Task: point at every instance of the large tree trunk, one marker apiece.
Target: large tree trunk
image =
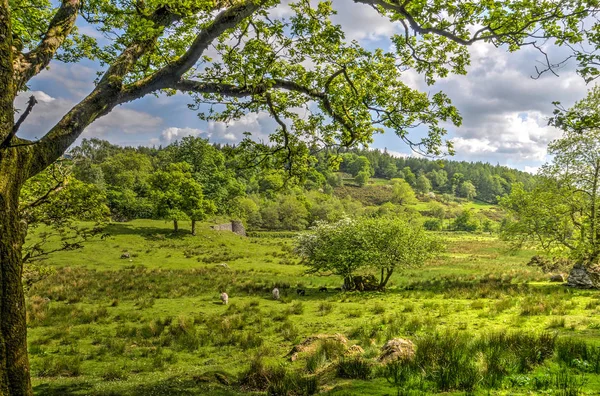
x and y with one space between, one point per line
14 364
175 226
194 227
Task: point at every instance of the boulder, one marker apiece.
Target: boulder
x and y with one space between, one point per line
395 349
310 344
125 255
579 277
354 350
557 278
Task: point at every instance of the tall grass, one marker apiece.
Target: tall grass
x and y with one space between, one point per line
452 360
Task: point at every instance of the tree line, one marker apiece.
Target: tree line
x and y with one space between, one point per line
469 180
192 179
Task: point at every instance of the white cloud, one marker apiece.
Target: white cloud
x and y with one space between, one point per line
259 124
171 134
518 136
50 110
230 136
474 145
531 169
125 120
398 154
42 96
73 80
361 22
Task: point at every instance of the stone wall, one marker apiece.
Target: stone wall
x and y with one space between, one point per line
235 226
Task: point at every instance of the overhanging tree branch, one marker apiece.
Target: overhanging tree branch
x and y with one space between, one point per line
98 103
166 76
400 9
288 85
28 65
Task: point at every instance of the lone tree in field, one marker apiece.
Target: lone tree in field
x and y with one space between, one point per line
177 196
381 245
273 65
561 213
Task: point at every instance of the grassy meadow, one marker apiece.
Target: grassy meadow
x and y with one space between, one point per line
483 322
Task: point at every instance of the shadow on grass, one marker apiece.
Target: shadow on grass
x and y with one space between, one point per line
149 233
174 386
54 389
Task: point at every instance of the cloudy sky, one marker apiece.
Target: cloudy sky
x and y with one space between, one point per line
504 110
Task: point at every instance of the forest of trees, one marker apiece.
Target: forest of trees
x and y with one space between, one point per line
192 179
470 180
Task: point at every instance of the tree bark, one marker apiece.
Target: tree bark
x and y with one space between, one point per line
175 226
389 272
14 363
194 227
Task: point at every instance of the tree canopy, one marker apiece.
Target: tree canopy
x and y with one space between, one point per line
381 245
561 213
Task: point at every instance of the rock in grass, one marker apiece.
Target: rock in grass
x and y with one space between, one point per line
125 255
557 278
395 349
310 344
354 350
580 278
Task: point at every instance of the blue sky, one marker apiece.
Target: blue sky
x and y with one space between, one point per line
504 110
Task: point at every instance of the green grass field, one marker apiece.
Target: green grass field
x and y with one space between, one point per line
153 324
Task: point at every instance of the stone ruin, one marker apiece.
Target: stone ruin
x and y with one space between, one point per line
584 276
234 226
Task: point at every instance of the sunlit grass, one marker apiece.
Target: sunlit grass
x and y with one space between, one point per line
155 325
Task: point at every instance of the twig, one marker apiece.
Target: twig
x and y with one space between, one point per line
32 102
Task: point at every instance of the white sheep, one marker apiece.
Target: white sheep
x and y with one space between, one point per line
224 298
276 294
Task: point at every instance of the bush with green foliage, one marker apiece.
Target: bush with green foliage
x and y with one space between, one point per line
379 245
433 225
465 221
178 196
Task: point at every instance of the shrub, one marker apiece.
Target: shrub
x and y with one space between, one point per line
259 376
400 372
378 309
433 225
114 373
446 358
325 308
64 366
315 361
556 323
294 384
568 384
289 331
297 308
577 353
465 221
250 340
161 359
354 368
327 350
